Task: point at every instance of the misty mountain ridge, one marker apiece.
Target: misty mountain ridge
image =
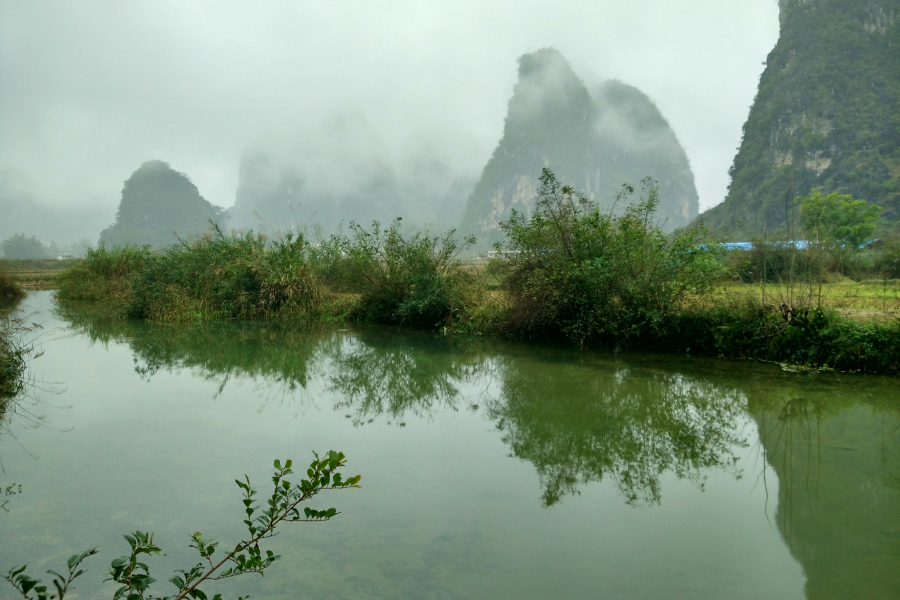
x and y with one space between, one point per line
340 171
594 142
159 206
23 211
826 114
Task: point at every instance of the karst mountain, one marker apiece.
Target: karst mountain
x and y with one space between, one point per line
594 140
826 115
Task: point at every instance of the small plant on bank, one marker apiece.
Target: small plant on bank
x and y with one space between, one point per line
133 576
13 351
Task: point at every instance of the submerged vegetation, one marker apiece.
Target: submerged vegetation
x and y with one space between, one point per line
568 271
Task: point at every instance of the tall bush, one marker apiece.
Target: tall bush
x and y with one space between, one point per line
593 276
221 276
103 274
414 280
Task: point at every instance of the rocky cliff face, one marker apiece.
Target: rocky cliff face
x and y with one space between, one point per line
593 142
160 205
827 114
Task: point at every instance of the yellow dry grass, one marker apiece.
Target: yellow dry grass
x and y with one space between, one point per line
36 274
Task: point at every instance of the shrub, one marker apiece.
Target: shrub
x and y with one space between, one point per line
103 274
219 276
414 280
133 575
597 277
808 337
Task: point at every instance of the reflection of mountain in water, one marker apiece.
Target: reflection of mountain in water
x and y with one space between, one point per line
838 465
591 423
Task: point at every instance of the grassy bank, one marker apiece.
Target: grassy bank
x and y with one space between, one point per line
12 362
36 274
566 272
10 289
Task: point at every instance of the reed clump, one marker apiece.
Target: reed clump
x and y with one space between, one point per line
12 361
10 290
413 280
241 276
103 274
375 274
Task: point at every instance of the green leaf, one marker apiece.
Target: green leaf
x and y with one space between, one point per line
14 571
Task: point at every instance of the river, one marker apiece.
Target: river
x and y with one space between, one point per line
489 469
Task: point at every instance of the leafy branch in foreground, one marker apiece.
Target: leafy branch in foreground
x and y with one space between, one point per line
133 576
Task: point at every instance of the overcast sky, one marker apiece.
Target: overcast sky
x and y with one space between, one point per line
90 90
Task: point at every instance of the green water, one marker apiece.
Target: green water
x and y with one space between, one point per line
490 470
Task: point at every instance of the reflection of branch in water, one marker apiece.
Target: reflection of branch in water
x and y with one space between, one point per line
394 380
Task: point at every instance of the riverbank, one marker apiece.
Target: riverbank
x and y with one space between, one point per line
231 284
568 271
36 274
12 362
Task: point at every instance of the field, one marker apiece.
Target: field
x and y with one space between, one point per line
858 300
37 274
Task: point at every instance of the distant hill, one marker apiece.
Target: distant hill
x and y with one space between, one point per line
160 205
827 114
594 142
337 171
24 208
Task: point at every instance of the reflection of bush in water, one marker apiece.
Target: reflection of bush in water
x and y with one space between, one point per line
399 374
633 428
283 353
575 424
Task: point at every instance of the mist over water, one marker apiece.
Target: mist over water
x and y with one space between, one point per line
93 91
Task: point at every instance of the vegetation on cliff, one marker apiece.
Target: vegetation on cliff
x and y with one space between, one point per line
159 206
826 115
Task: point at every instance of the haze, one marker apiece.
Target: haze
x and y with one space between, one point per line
90 90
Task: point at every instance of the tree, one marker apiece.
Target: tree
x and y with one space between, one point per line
837 220
19 247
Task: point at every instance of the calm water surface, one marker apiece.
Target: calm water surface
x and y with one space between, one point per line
490 470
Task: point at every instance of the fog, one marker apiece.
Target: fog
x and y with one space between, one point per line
90 90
